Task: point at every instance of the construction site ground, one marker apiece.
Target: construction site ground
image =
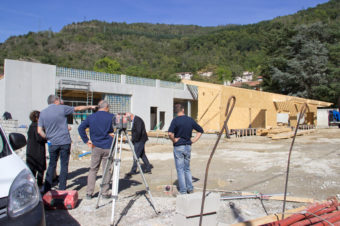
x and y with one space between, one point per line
253 163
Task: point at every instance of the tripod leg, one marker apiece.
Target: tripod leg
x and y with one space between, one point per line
115 180
141 172
107 169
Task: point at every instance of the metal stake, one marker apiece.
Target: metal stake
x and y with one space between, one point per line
224 128
303 111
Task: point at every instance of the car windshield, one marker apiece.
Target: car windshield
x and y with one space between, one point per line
4 148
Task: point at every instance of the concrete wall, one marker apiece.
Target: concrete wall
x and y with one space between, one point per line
323 117
2 96
27 88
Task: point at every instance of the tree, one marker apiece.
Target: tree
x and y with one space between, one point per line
303 65
107 65
224 74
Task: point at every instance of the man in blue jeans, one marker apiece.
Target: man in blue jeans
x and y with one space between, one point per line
180 132
52 125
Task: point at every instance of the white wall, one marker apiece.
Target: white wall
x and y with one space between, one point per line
29 84
27 88
283 117
322 117
2 96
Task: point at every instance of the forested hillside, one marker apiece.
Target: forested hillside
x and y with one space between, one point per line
297 54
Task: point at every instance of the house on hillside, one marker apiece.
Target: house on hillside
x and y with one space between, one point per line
246 77
206 74
185 75
247 80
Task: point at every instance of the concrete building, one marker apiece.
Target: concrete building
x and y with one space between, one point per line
26 86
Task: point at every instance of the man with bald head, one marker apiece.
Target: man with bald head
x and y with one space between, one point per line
101 132
139 138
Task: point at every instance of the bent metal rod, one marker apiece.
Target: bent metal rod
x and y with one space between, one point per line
224 128
302 113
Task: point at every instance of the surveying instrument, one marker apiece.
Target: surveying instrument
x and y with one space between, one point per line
112 167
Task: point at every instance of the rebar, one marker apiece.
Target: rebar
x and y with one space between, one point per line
224 128
302 113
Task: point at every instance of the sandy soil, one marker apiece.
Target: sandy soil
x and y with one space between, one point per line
239 164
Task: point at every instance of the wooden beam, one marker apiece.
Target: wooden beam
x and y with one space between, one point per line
291 134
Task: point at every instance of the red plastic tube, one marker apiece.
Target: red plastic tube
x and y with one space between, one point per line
315 219
333 219
316 209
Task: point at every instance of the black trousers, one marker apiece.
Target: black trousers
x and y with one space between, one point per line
140 152
39 175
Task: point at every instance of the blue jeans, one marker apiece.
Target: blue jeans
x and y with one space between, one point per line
55 151
182 161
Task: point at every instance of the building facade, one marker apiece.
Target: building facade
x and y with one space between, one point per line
26 86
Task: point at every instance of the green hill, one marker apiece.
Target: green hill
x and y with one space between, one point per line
161 50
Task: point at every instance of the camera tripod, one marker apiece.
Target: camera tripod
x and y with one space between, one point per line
114 159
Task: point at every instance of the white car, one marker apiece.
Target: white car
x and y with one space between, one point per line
20 199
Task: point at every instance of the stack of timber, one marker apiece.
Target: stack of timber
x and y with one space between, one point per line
291 134
278 133
273 131
158 134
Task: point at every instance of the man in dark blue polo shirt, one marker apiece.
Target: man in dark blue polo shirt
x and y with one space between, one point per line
101 133
180 132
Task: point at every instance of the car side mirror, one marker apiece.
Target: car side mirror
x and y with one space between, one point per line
17 140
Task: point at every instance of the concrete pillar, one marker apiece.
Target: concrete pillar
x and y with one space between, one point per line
123 79
189 107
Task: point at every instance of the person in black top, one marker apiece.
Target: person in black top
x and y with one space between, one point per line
139 138
35 150
180 132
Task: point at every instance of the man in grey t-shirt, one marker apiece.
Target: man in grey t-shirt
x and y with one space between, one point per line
52 125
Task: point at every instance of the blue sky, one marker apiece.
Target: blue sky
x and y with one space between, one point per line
21 16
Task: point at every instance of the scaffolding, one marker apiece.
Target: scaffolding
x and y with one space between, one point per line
75 93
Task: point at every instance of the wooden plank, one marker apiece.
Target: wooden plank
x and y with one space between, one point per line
291 134
270 218
158 134
292 199
280 198
280 130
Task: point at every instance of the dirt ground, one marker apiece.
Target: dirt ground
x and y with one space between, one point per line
256 164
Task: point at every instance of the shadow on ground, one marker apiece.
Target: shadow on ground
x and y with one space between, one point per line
59 217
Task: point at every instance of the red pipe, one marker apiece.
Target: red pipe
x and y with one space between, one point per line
316 209
330 220
314 219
